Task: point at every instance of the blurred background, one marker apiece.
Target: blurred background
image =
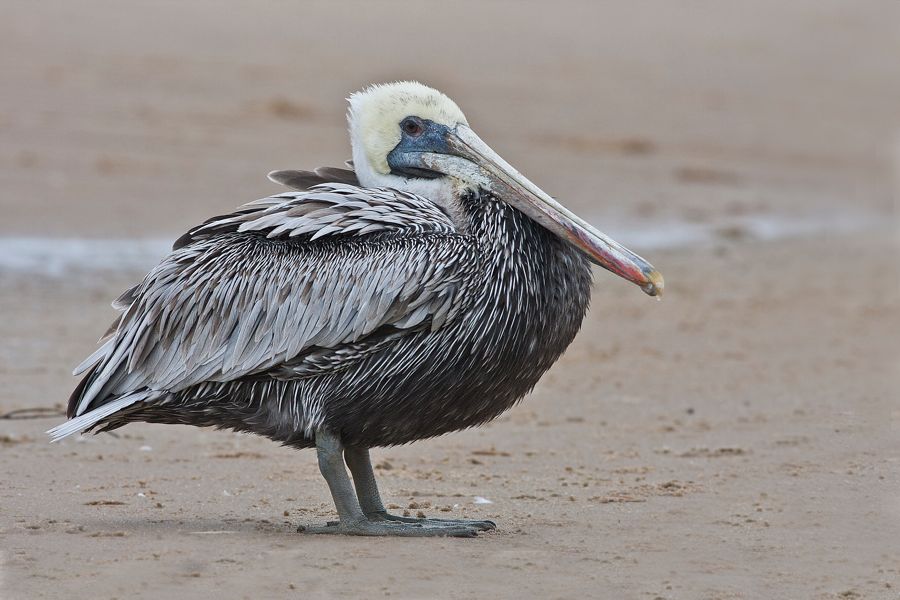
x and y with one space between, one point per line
736 440
141 120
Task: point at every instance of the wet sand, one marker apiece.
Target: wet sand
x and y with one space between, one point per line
736 440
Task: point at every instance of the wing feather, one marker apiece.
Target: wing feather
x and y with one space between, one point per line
303 180
255 289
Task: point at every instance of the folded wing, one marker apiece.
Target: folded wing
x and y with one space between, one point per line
251 291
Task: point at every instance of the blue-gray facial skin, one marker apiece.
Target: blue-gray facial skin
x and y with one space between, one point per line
404 159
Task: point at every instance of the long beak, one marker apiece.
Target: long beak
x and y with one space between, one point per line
515 189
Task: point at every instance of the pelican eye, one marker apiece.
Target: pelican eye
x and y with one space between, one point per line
412 126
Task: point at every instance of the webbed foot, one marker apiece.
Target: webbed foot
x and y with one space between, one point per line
384 528
428 522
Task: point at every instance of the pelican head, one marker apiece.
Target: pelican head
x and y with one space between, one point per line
410 137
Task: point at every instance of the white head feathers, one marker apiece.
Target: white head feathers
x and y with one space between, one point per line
375 114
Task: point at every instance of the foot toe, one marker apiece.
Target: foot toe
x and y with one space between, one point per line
434 523
389 528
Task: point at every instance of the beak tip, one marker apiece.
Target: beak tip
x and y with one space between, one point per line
655 284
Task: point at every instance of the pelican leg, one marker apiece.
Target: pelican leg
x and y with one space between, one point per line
370 500
352 519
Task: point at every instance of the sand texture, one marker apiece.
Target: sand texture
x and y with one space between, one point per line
738 440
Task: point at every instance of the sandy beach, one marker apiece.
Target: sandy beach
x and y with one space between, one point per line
737 440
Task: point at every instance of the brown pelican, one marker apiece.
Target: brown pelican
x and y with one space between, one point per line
425 291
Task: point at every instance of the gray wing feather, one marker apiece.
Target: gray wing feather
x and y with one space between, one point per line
329 210
249 291
304 180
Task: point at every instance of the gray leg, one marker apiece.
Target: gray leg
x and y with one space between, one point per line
352 519
328 451
370 500
364 480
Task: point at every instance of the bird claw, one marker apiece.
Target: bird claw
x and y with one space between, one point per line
428 522
385 528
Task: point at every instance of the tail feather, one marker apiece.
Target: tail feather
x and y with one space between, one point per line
91 418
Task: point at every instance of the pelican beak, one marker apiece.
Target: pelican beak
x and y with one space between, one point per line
515 189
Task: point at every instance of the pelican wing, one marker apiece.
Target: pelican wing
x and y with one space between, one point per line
304 180
283 276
